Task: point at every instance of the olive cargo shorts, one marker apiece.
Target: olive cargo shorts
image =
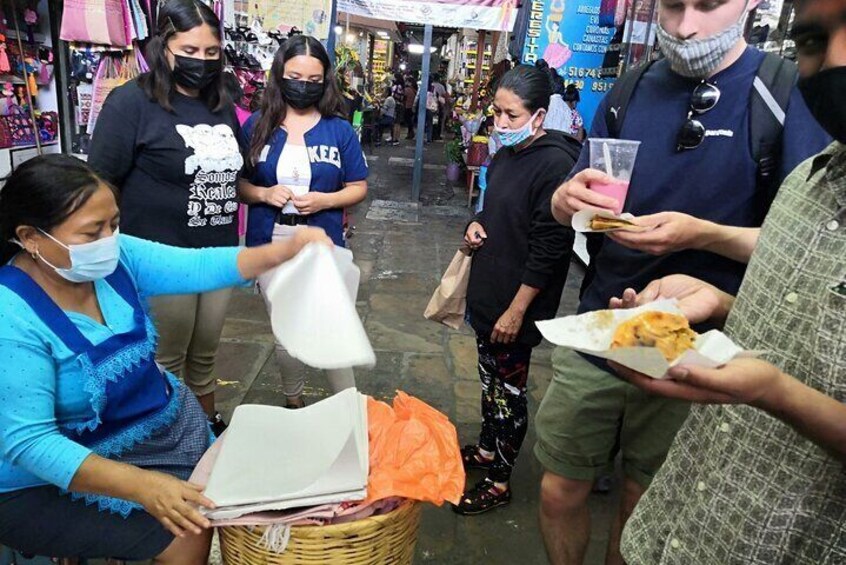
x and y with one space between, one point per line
589 415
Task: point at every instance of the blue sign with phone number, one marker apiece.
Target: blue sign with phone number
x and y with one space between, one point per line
567 35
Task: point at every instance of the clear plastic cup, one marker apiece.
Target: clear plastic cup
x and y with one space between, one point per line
617 158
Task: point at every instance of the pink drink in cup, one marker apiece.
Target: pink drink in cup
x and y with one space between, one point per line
616 157
617 191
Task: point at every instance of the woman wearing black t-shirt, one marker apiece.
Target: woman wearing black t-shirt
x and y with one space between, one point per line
168 142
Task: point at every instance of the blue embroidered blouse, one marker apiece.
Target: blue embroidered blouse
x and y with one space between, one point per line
42 388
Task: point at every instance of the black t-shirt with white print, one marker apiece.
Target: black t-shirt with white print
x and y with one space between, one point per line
177 172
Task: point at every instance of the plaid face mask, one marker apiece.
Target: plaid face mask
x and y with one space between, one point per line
698 58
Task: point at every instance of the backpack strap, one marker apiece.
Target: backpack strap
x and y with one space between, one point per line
618 98
771 90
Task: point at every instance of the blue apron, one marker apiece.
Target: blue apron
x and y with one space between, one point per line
131 397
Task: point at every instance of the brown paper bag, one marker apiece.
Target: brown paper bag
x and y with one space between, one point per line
449 301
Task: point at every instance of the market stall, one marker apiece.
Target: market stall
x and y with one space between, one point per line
29 118
495 15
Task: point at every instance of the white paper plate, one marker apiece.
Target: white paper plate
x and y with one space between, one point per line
593 332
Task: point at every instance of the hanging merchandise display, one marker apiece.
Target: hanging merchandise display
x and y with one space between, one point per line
96 21
105 40
28 106
249 52
19 126
112 73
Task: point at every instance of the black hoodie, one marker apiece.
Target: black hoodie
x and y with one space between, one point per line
525 245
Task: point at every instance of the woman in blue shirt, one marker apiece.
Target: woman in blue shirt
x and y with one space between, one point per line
96 441
306 166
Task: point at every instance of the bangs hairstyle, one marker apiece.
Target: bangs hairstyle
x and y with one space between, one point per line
273 106
43 193
179 16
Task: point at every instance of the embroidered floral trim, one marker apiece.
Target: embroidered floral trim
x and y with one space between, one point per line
115 445
110 370
107 504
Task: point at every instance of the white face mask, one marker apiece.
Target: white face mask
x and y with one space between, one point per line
699 58
89 261
512 137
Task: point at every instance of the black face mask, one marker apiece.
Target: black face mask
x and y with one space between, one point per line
823 93
195 74
301 94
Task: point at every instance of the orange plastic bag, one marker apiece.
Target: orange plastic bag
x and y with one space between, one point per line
414 452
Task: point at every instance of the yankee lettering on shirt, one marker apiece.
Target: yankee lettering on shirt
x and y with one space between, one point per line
215 164
324 154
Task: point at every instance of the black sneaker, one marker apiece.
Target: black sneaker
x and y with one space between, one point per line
481 498
218 426
472 459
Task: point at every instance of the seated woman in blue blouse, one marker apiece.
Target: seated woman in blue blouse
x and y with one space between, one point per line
96 441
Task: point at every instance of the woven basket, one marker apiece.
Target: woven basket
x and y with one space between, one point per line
378 540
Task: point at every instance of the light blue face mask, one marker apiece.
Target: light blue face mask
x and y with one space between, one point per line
89 261
513 137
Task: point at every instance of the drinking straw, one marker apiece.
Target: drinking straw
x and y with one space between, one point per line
606 153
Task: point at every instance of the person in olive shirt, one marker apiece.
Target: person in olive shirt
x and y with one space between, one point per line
168 142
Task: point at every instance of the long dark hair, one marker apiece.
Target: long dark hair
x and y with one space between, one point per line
43 193
530 84
178 16
273 106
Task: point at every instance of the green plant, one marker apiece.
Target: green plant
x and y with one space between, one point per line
454 152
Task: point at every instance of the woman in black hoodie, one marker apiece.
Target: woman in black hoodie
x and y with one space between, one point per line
519 268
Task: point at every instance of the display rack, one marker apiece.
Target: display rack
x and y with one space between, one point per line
46 97
468 62
381 57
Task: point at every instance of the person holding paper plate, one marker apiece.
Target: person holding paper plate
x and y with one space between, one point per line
306 165
756 472
720 124
96 439
517 275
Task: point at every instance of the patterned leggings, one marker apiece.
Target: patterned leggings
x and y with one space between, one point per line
504 371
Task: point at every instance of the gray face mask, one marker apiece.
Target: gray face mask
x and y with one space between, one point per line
699 58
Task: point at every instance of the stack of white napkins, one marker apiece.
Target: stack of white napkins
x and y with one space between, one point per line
276 458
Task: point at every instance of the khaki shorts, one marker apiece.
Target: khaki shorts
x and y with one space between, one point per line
589 415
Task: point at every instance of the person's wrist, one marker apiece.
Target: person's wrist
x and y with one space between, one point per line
140 485
518 310
281 251
708 234
777 396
